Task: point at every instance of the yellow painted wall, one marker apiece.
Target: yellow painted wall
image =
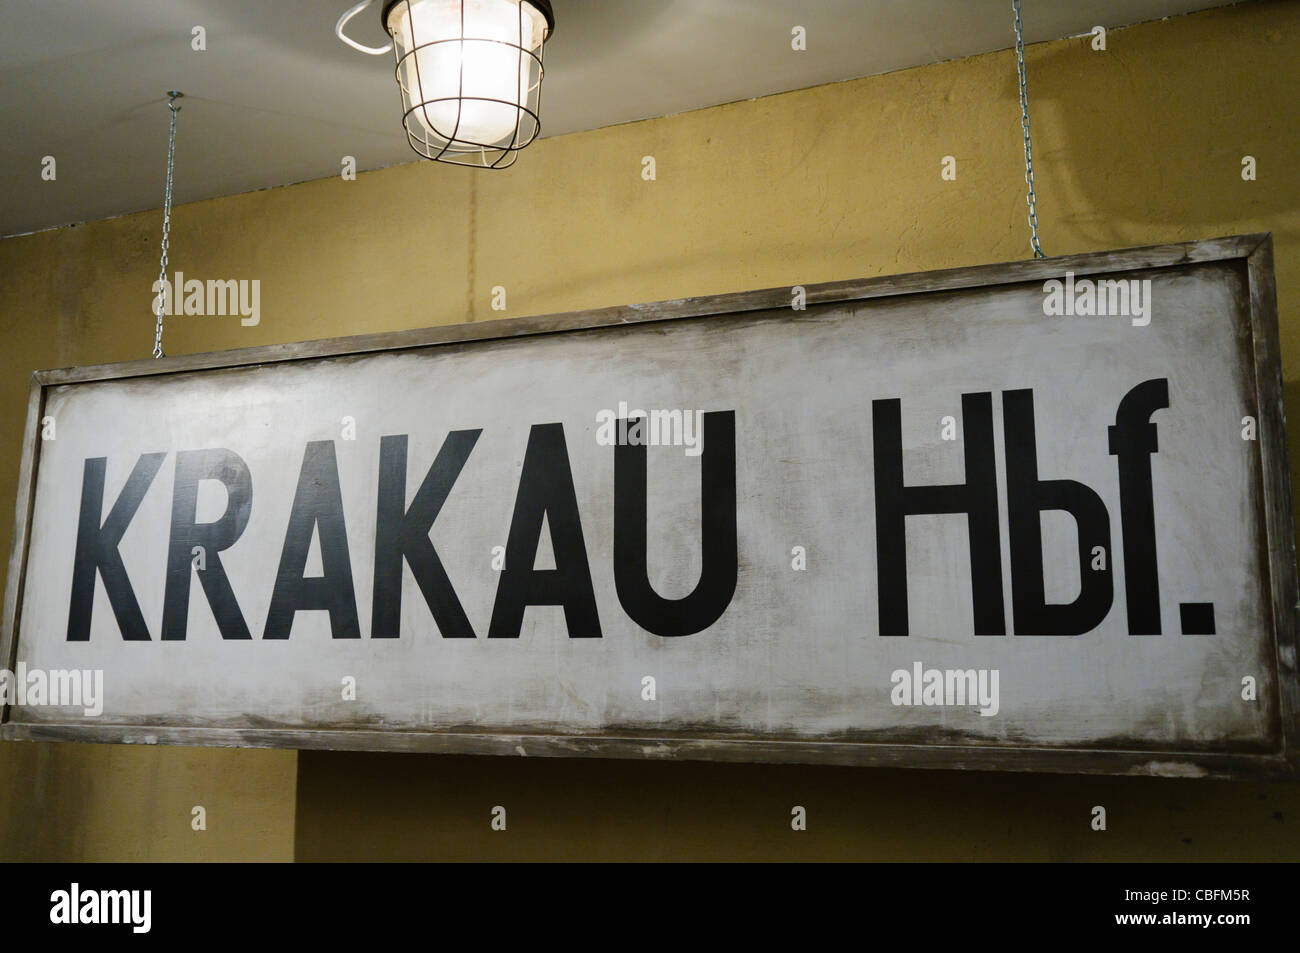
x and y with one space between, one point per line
1135 145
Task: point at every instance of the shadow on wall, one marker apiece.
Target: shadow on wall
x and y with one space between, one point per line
36 776
1134 169
405 807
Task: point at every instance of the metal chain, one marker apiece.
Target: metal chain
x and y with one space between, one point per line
173 95
1031 197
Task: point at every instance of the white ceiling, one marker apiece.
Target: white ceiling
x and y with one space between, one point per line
277 99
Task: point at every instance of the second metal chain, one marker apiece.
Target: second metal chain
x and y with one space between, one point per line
1031 197
159 300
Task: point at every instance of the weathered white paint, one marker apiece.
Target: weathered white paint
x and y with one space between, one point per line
797 654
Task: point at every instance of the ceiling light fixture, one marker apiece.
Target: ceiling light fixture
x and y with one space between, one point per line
470 74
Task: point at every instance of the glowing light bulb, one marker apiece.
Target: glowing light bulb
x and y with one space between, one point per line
469 69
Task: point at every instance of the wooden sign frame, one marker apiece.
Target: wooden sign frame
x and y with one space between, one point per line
1252 252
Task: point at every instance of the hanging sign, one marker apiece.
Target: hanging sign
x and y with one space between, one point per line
1030 516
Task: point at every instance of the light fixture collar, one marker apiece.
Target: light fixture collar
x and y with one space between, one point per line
542 6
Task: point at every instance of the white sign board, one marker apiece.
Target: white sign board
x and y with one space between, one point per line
1029 516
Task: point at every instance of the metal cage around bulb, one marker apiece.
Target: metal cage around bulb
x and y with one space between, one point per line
470 74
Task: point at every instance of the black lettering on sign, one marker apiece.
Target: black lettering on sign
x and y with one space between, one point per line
545 493
1027 497
977 498
712 594
231 471
97 549
317 509
1133 440
403 534
546 497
